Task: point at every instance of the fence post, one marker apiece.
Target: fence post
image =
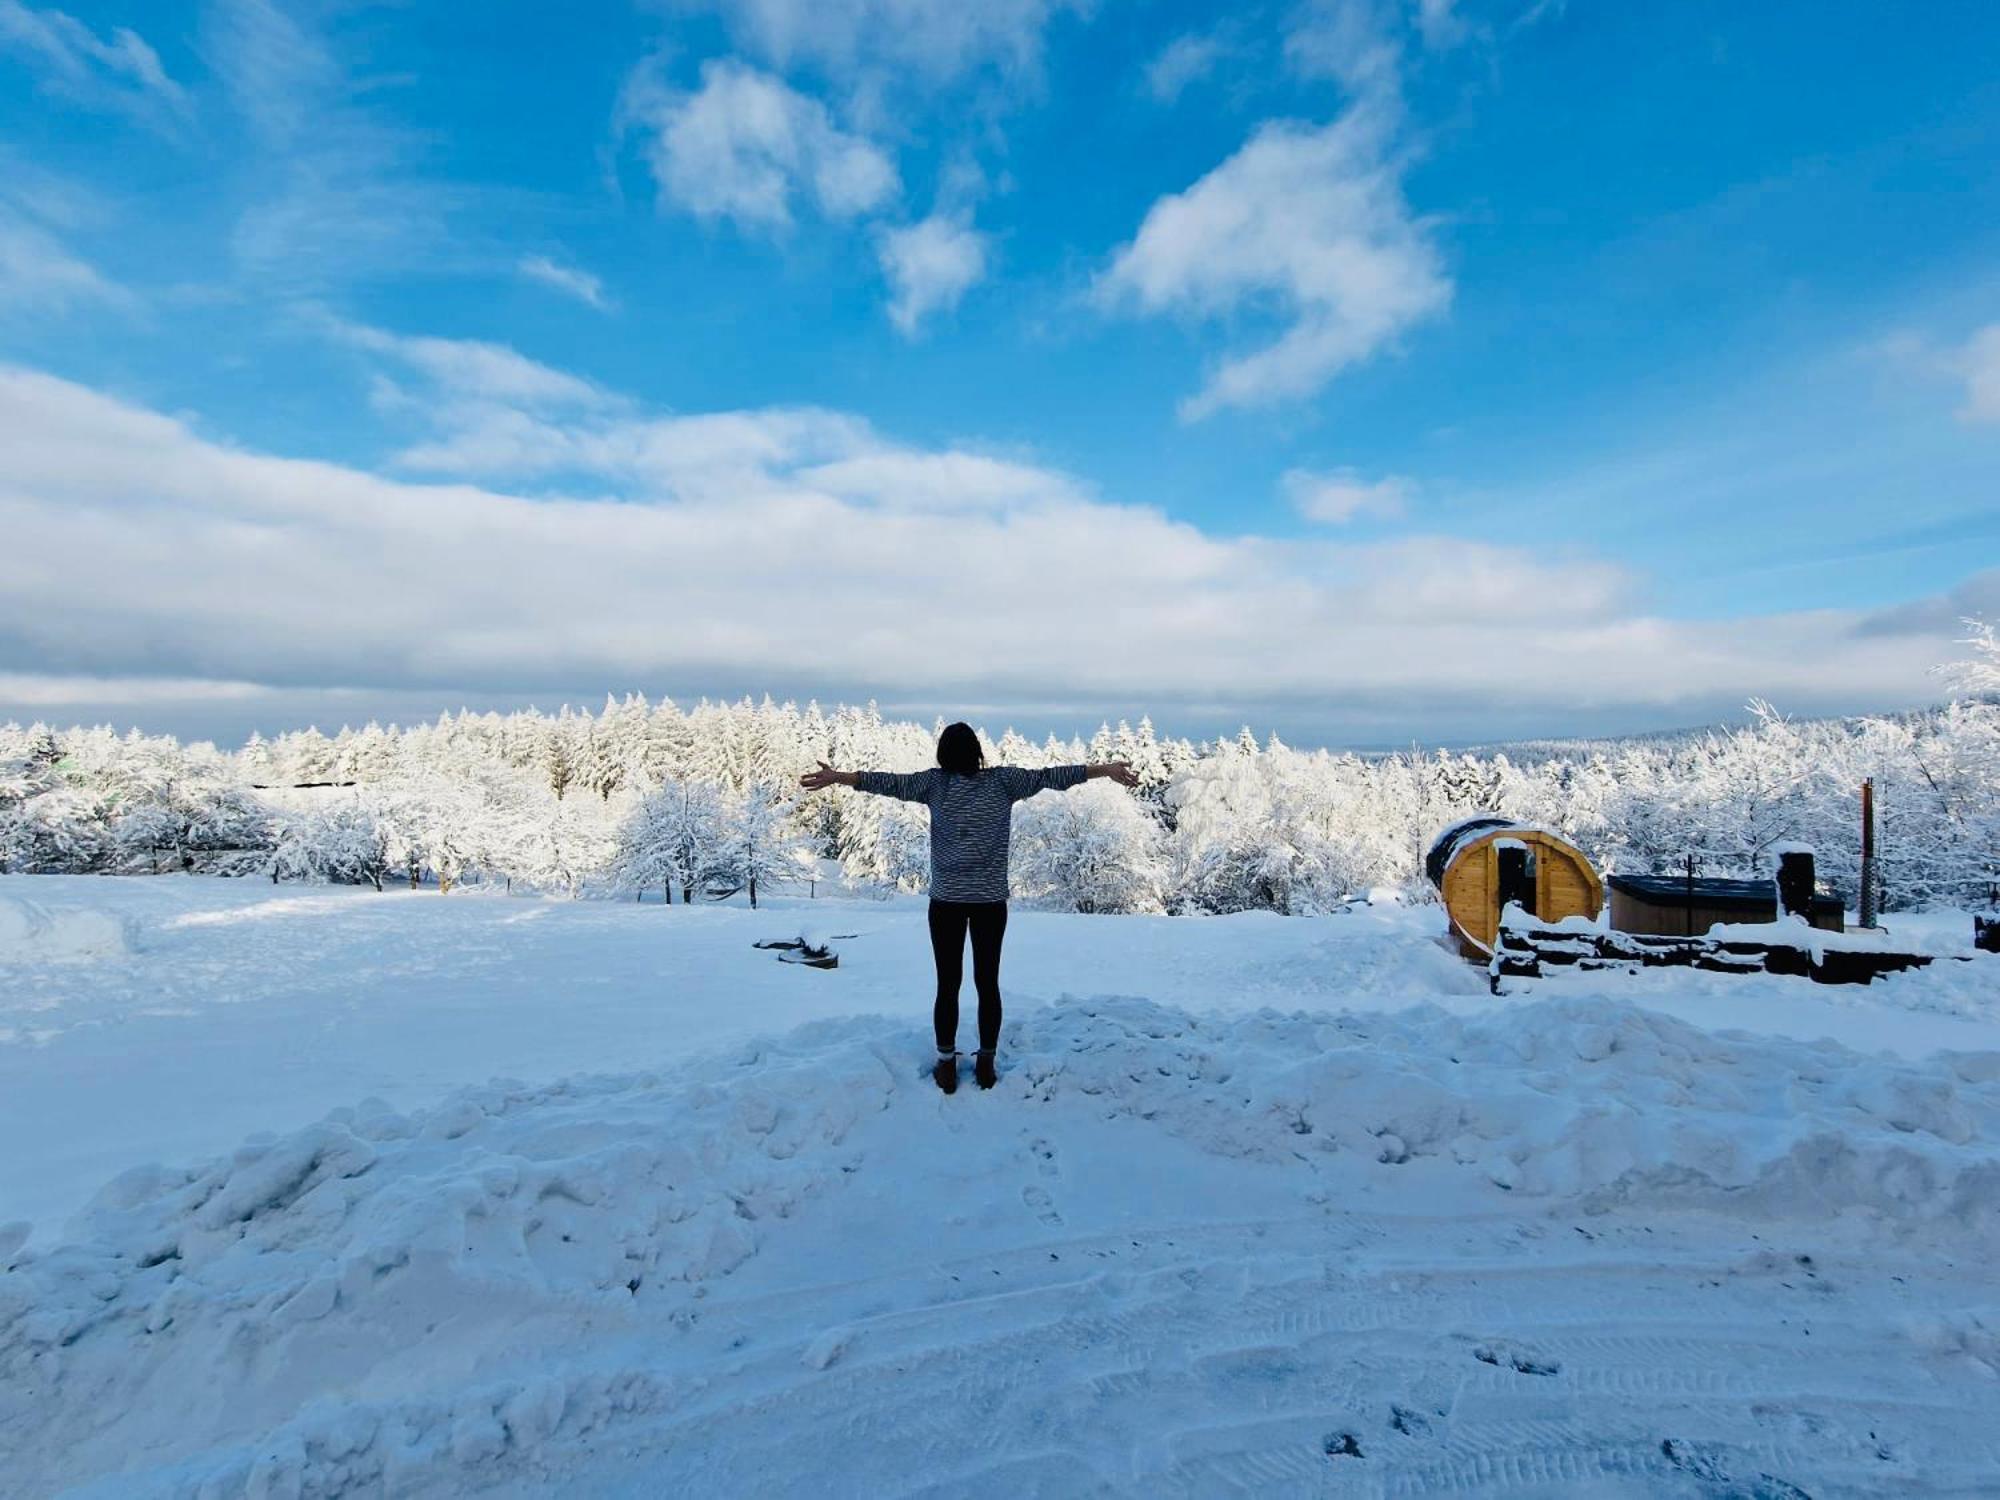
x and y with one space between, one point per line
1866 903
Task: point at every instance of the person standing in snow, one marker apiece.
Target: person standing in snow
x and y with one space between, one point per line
972 806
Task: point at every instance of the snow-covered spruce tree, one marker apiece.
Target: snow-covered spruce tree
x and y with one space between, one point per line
597 773
561 751
622 734
1091 850
903 846
668 740
883 843
298 756
373 753
27 772
52 821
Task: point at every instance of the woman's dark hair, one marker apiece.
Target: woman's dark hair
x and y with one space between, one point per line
959 751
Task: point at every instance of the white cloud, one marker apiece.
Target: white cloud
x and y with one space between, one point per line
932 41
470 369
121 72
1978 363
339 193
493 414
907 480
1422 581
1440 24
798 547
1351 41
930 265
57 201
484 408
1975 364
569 280
37 690
1309 220
745 144
1183 61
1341 495
38 274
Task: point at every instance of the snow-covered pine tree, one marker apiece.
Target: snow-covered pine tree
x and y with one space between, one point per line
561 752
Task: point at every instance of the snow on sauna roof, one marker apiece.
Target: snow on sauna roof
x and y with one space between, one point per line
1447 839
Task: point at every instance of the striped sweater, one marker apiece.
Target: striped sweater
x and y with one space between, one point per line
971 820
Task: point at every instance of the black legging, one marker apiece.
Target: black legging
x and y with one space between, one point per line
988 923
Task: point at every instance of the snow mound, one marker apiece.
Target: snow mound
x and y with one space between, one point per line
32 933
1581 1101
374 1302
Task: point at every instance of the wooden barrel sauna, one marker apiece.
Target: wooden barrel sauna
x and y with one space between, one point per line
1479 864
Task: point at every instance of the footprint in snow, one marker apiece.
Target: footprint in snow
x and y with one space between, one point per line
1037 1198
1506 1357
1408 1421
1709 1466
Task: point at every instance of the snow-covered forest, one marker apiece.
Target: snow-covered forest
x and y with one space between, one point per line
646 798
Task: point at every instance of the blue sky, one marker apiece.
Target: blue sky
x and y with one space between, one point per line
1440 369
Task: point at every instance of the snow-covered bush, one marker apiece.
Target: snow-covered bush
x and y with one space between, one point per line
542 841
1977 675
340 844
1089 850
672 837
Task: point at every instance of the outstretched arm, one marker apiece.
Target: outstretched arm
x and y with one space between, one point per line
1022 782
826 776
905 786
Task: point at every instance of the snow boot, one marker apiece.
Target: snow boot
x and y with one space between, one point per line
982 1070
945 1072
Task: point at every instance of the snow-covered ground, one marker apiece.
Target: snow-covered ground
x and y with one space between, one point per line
1261 1205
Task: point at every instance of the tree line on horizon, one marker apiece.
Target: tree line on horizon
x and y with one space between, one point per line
648 797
